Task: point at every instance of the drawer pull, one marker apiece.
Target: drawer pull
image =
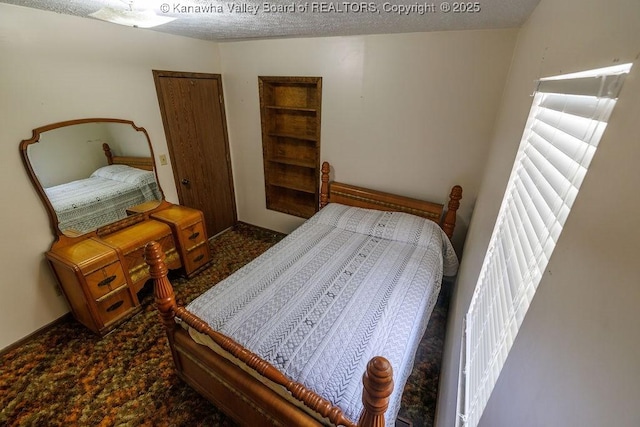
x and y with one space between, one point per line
107 281
115 306
194 235
198 258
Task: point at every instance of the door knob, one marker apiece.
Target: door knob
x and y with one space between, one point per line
186 181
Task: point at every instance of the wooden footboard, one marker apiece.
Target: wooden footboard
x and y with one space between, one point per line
243 396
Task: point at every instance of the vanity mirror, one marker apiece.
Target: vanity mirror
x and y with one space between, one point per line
88 172
97 180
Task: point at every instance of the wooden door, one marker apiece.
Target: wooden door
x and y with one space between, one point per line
194 120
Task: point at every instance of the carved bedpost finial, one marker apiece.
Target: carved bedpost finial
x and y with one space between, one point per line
378 386
107 152
324 188
450 217
163 291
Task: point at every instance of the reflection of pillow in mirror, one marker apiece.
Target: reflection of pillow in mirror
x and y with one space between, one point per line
111 171
124 173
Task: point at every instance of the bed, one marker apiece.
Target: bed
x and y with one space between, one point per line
103 197
285 339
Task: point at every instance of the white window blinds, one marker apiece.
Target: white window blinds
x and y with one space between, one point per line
565 124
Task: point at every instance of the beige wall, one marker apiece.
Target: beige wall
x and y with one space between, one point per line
406 113
55 158
575 360
53 68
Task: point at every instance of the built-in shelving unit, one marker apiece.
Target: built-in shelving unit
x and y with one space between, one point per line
290 110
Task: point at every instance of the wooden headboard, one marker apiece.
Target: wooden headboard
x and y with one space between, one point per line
145 163
336 192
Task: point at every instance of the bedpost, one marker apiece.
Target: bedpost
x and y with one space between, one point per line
378 386
107 152
449 221
324 188
163 291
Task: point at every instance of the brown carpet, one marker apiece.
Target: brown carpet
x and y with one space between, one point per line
67 376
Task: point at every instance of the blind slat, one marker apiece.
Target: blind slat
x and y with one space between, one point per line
576 105
604 86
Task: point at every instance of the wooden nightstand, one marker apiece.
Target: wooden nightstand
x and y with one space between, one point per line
191 236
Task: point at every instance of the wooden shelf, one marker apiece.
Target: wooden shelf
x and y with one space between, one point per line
290 110
293 202
293 162
292 186
280 107
295 177
293 136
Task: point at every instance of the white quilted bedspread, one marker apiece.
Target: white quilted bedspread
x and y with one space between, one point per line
102 198
347 285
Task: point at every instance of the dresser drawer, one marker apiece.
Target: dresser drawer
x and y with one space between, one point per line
197 257
188 227
193 235
131 241
105 280
138 267
114 305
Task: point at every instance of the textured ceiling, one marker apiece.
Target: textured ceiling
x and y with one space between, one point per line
251 19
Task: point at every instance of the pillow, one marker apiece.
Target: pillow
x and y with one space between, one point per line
124 173
111 171
399 226
396 226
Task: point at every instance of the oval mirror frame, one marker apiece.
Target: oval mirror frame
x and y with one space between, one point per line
36 137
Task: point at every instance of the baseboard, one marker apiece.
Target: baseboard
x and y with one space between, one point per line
266 230
403 422
64 318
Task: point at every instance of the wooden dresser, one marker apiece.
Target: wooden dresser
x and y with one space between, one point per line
101 275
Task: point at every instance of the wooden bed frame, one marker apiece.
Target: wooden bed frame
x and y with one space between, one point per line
249 389
145 163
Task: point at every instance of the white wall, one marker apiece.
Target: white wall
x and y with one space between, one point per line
53 68
55 159
406 113
124 140
576 359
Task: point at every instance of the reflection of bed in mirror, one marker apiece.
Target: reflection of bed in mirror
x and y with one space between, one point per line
90 171
103 197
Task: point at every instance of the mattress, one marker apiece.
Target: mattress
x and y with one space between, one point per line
347 285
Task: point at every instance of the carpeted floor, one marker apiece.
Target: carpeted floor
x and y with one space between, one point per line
67 376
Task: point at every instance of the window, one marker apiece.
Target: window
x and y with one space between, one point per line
565 124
